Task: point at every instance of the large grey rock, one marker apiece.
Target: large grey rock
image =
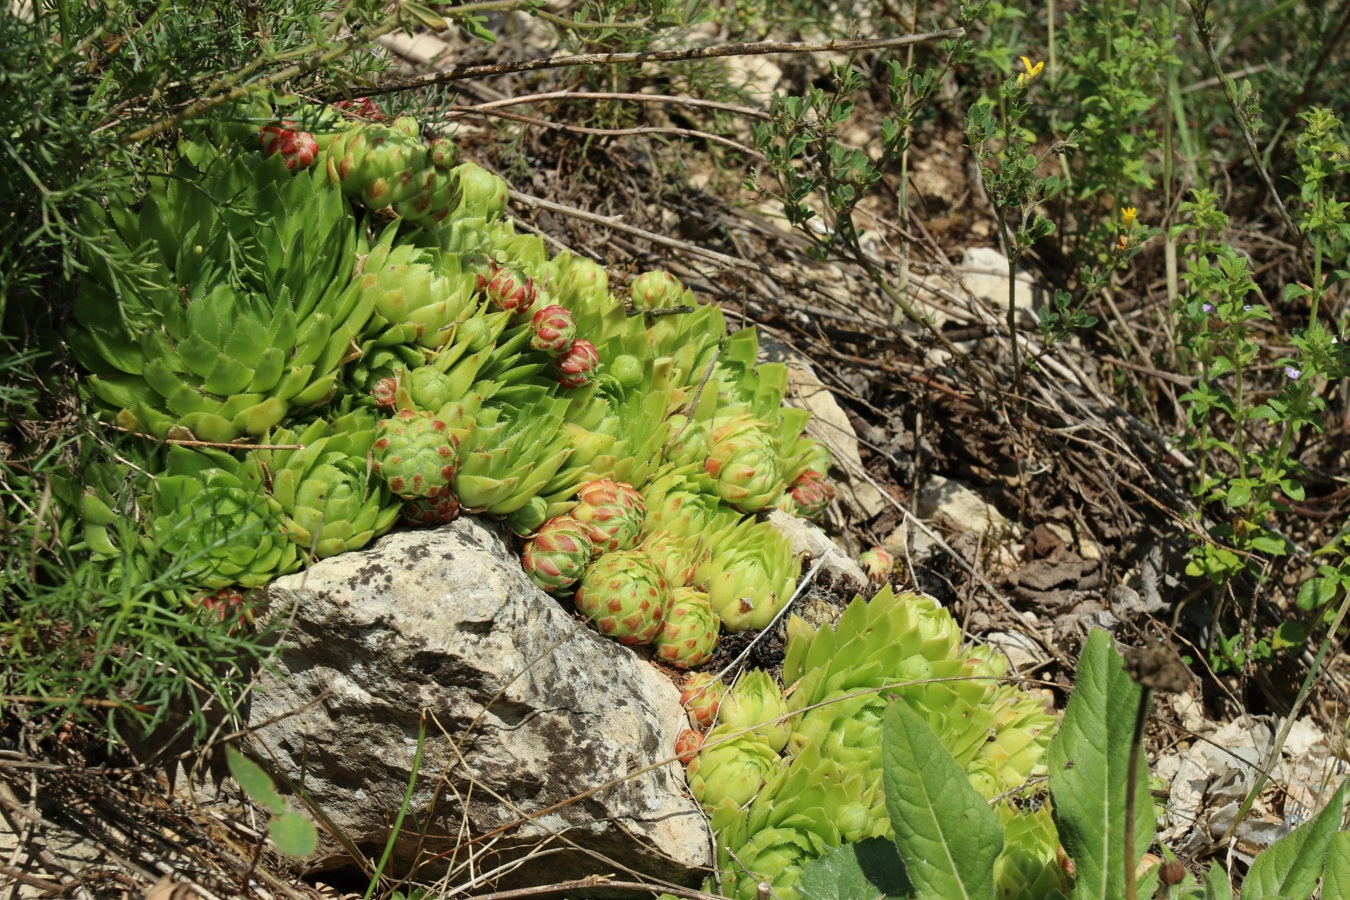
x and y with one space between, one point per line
526 709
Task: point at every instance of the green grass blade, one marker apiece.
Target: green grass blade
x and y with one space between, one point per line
945 830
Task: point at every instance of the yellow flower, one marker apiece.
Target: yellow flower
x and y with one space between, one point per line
1128 213
1031 70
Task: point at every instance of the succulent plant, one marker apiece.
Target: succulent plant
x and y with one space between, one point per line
418 294
415 453
674 556
576 367
214 520
701 696
441 509
297 148
229 607
332 505
1029 868
387 166
809 807
877 563
482 194
558 554
895 648
215 339
624 595
687 745
756 702
657 289
554 330
613 513
511 290
689 634
809 496
743 459
731 767
511 447
752 574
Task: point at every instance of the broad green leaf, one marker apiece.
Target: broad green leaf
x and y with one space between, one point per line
293 834
1216 884
1336 879
866 870
255 782
1088 760
1291 867
945 831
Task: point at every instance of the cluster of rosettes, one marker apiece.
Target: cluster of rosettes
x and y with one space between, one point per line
552 327
788 777
636 590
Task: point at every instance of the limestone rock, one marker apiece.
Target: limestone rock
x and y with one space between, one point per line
807 537
830 424
960 506
984 272
526 707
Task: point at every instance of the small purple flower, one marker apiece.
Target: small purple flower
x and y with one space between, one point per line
1207 307
1247 307
1293 373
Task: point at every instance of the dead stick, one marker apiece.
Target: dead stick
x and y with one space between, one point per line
758 48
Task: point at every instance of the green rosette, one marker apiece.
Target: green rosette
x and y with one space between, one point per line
243 311
688 636
212 518
625 596
331 501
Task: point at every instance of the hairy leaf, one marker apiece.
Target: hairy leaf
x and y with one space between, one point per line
255 782
1291 867
1088 760
293 834
945 830
867 870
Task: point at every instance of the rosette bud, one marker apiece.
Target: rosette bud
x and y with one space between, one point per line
657 289
743 457
510 290
361 108
442 153
483 195
557 556
731 769
229 607
575 368
385 393
756 702
689 634
554 330
612 512
809 496
415 454
702 696
624 595
441 509
877 563
687 745
297 148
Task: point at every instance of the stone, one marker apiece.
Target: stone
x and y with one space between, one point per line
984 272
539 732
807 537
830 424
964 509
